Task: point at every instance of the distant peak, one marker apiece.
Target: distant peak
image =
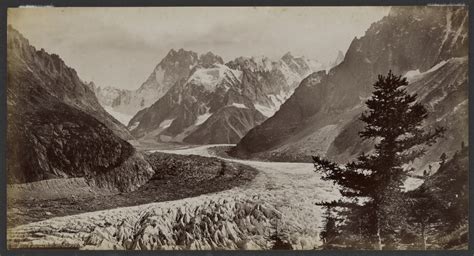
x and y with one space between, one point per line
92 86
288 55
209 53
181 53
13 33
209 58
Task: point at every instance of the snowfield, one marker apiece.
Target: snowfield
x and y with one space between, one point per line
282 197
121 117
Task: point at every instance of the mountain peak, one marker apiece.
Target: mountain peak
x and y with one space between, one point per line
92 86
288 55
181 55
16 39
209 59
209 53
180 52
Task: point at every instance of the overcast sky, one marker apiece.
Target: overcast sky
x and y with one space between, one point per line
121 46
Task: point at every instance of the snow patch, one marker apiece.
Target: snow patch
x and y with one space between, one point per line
266 111
314 65
448 29
275 101
134 126
121 117
436 67
412 183
209 78
239 105
412 75
202 118
166 123
462 104
292 78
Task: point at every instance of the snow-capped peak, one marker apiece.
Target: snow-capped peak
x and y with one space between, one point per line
209 78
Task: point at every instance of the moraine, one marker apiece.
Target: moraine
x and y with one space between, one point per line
282 196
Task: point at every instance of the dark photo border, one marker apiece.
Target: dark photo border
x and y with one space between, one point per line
5 4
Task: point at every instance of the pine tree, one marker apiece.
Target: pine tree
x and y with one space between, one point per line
393 121
424 213
330 231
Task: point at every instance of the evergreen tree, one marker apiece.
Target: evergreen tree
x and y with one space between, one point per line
330 231
439 207
423 214
393 121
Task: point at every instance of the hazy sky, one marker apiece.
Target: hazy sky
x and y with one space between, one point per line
121 46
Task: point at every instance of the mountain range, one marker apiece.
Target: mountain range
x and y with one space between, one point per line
218 103
174 66
428 45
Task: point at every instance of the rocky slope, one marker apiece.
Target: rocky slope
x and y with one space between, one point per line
49 72
174 66
320 116
57 128
219 103
443 198
443 90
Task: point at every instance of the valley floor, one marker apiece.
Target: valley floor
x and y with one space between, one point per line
281 198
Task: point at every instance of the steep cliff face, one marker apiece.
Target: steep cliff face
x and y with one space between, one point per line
319 116
56 127
220 103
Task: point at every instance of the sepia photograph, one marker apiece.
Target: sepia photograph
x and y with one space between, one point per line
237 128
